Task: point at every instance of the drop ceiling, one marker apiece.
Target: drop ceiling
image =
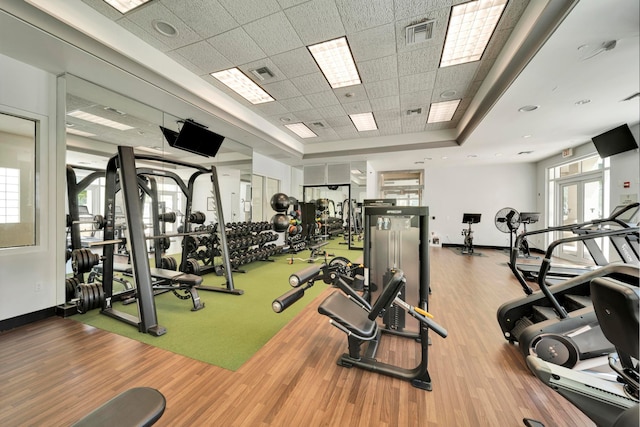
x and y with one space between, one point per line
543 53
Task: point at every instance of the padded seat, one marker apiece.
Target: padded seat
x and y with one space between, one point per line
176 276
140 406
343 311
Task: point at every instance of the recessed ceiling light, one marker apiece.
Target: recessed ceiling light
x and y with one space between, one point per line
448 94
301 130
470 28
444 157
285 119
235 80
526 136
583 101
99 120
364 121
165 28
471 156
442 111
336 62
528 108
124 6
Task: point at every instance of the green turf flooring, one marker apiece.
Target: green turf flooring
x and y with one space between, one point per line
231 328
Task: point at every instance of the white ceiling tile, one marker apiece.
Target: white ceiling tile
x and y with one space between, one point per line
204 56
299 103
311 83
145 17
407 9
357 107
386 103
417 82
378 69
418 61
373 43
351 94
331 111
388 115
347 132
245 11
237 46
413 100
288 3
316 21
152 39
274 34
207 18
322 99
308 115
270 108
338 121
294 63
289 118
413 123
382 88
185 63
282 89
358 15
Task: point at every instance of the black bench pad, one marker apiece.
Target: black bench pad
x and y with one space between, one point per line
345 312
140 406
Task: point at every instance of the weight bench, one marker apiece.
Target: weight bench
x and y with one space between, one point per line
140 406
171 280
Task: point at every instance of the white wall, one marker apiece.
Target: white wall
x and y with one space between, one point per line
27 91
271 168
451 192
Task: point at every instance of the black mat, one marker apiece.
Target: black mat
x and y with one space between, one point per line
459 252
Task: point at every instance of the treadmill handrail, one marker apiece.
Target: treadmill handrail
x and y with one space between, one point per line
546 262
598 221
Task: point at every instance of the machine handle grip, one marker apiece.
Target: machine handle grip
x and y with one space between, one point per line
303 276
286 300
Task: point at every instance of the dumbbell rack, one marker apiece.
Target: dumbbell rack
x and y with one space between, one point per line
249 242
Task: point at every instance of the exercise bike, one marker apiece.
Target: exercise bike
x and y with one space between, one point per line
468 232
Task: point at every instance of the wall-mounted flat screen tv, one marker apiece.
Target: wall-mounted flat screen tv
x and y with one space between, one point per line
194 138
615 141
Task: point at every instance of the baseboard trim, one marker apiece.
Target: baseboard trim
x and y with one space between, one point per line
25 319
455 245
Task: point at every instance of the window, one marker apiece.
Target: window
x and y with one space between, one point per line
403 186
17 181
9 196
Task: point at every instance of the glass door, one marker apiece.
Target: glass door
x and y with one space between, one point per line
580 201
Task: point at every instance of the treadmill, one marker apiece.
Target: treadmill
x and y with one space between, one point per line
626 246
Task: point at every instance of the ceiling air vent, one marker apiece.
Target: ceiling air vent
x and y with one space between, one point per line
262 73
419 32
318 124
414 112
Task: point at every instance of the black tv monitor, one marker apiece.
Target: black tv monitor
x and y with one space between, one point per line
470 218
194 138
529 217
170 135
615 141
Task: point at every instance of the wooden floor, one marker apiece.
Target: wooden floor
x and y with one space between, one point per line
53 372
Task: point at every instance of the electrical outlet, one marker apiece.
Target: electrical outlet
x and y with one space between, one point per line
38 287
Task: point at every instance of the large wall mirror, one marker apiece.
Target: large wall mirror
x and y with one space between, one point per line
99 120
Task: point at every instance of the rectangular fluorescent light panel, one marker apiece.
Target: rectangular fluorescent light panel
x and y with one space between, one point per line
470 28
99 120
80 132
363 121
336 62
124 6
442 111
301 130
235 80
